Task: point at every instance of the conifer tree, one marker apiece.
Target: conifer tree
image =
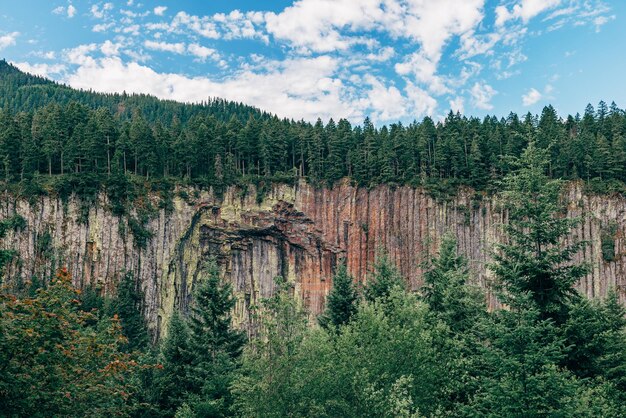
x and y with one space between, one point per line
521 376
128 304
341 303
214 345
385 277
534 261
447 291
173 380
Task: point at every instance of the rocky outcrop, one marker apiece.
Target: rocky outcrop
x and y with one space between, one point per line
299 232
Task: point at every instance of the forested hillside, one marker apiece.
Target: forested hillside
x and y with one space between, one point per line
83 139
378 349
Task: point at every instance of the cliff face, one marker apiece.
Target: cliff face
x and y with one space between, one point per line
299 232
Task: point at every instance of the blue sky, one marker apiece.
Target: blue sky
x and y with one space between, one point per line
392 60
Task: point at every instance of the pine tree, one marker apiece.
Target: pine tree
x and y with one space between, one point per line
341 303
447 291
385 278
128 305
173 381
596 335
214 345
520 372
534 261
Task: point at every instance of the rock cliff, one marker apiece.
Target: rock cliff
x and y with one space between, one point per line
300 232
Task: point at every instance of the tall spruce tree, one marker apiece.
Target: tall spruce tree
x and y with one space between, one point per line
214 344
536 261
173 381
341 303
447 291
385 277
128 305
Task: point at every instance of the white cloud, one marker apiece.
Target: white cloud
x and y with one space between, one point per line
301 88
160 10
100 13
202 26
359 41
49 55
297 88
102 27
8 40
132 29
176 48
235 25
202 52
70 11
109 48
531 97
386 102
472 45
80 54
421 103
602 20
423 70
457 104
43 70
524 10
383 55
482 93
331 25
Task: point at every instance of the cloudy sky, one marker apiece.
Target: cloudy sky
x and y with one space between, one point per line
388 59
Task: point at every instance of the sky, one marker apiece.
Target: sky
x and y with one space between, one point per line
390 60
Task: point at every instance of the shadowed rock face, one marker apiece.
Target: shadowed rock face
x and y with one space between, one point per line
299 232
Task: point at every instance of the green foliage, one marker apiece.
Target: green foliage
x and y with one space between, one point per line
535 261
384 362
55 364
342 301
522 377
447 291
596 335
141 234
85 142
214 346
173 381
607 241
127 304
384 278
547 352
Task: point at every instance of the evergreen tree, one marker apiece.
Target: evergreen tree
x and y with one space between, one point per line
341 303
174 381
596 335
535 261
447 291
384 278
214 345
521 376
58 360
128 304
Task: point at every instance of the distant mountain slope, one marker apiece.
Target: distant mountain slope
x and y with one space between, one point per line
20 91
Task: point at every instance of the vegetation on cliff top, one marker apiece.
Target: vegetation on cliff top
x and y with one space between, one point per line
54 138
382 351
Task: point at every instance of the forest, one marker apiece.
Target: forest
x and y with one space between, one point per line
379 349
63 140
